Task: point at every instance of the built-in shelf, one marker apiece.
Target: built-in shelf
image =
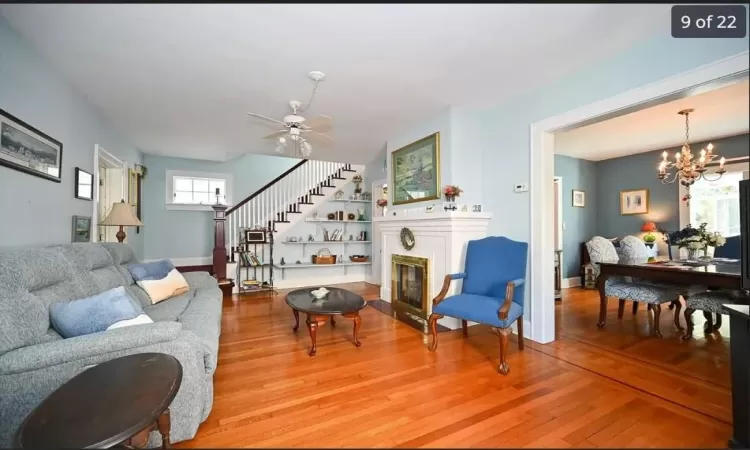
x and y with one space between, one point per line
337 221
328 242
352 201
308 265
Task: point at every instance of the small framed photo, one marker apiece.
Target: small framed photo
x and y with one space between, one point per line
634 202
81 229
579 199
84 185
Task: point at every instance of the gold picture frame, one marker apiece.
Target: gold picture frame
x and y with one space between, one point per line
579 198
415 171
634 202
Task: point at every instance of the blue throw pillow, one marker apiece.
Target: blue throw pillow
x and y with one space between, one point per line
112 308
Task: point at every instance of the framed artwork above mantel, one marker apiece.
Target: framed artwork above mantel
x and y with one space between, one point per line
415 171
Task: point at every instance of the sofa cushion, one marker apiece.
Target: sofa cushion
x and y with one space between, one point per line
94 267
31 278
94 314
199 279
171 309
478 308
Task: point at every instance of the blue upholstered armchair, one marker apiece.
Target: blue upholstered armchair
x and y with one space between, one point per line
492 292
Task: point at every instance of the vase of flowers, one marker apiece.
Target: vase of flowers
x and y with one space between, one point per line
357 180
451 191
382 205
695 239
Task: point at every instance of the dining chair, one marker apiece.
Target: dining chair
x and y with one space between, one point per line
652 294
731 248
633 251
491 293
710 302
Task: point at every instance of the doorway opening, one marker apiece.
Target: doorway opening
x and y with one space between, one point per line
109 188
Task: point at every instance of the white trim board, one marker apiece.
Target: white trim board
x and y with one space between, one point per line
542 145
570 282
113 162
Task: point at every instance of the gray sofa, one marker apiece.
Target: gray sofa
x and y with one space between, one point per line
35 360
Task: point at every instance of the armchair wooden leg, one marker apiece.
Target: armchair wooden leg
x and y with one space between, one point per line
678 307
503 368
689 322
621 308
657 316
519 325
465 328
433 330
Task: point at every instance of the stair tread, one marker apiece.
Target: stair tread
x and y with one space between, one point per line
305 203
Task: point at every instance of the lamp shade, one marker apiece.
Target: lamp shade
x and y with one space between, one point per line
121 214
648 227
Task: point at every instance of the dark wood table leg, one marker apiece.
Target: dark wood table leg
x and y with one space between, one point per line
313 322
357 323
657 317
708 327
296 320
164 425
717 323
333 321
678 308
602 300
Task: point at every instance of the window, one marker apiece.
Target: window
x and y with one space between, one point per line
717 203
197 191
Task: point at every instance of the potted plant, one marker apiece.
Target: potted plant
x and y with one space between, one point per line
692 239
382 204
451 191
357 180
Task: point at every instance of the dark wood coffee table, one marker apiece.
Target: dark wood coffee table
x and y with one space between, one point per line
106 405
336 302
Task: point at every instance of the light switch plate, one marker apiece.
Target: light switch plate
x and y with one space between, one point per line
521 187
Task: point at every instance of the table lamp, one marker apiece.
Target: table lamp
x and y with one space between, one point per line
121 215
648 228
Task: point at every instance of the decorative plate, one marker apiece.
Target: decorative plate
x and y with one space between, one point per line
407 238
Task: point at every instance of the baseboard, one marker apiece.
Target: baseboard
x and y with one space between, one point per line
571 282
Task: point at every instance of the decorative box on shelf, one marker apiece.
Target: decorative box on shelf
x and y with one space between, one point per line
359 258
324 256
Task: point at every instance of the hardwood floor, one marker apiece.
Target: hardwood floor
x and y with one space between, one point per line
588 389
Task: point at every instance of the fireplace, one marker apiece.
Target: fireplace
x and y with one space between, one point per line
410 284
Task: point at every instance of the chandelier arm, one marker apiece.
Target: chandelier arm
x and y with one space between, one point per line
666 180
703 175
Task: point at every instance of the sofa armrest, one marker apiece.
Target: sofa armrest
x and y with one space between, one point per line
61 351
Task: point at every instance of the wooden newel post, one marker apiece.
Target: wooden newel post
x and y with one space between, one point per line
220 250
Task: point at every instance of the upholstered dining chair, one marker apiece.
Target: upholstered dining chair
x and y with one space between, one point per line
732 248
633 251
492 291
602 250
710 302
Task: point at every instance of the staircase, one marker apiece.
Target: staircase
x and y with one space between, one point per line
289 198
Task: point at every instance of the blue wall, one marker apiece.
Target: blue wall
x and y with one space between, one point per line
36 211
639 171
189 234
580 223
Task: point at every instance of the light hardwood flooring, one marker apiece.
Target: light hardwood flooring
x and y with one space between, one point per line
615 387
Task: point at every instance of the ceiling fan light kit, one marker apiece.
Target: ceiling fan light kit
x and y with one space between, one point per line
296 131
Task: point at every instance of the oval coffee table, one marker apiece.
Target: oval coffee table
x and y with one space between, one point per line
336 302
106 405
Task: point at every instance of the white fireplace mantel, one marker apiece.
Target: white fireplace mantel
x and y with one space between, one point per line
441 237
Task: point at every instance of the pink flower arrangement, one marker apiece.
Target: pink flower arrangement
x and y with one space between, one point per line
450 190
382 202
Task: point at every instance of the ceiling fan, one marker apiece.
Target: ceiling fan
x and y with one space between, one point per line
297 132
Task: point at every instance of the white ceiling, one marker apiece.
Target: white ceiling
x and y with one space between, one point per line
178 79
719 113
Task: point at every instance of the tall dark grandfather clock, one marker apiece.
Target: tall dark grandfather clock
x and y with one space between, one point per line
220 250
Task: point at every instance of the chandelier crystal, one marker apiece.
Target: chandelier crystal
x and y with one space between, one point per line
688 169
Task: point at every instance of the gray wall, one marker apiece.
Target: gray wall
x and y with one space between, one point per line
36 211
580 223
639 171
189 234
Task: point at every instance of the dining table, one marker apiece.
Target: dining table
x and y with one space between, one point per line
714 273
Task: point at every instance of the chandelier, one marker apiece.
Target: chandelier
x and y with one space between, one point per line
688 169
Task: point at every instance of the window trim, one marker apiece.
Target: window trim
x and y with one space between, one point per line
740 164
169 182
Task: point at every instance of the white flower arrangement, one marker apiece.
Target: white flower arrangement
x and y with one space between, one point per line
694 243
716 240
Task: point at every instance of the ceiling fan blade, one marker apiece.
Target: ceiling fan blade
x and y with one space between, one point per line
317 121
321 128
276 134
267 119
318 138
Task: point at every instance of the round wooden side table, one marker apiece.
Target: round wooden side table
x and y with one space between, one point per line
106 405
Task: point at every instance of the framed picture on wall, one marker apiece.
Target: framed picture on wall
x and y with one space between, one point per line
81 229
633 202
24 148
84 185
579 199
415 169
